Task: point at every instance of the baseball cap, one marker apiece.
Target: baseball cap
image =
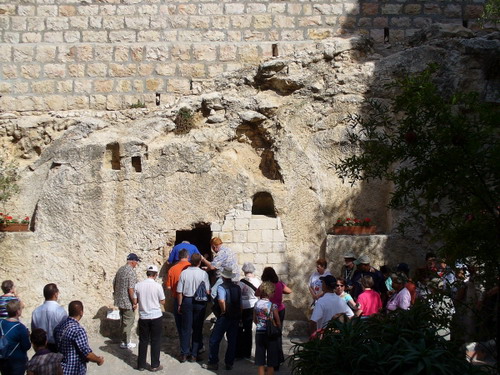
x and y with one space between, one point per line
152 268
133 256
329 280
363 259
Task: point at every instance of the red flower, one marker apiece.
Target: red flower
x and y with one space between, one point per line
348 219
27 218
8 217
368 219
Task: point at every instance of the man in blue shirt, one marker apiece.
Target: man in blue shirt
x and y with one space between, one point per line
72 342
174 254
229 300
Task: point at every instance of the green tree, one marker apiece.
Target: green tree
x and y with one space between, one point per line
442 154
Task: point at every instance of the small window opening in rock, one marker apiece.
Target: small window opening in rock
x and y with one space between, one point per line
465 23
275 50
136 163
158 100
55 165
199 236
386 35
38 150
112 156
263 204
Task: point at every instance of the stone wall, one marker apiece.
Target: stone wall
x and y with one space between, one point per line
107 55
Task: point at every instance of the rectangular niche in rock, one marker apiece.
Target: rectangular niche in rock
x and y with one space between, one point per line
137 164
112 156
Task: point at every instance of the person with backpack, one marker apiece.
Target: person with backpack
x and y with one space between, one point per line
229 300
267 349
248 285
14 341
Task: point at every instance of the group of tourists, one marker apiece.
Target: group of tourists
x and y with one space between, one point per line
195 284
60 342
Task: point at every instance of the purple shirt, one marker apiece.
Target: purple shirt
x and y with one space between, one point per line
277 297
400 300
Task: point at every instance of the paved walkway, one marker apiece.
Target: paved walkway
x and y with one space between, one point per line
123 362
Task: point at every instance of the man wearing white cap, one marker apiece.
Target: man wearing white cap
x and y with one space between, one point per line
149 296
229 300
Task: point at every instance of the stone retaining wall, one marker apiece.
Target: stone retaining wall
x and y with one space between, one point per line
107 55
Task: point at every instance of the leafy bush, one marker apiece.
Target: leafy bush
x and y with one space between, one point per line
402 342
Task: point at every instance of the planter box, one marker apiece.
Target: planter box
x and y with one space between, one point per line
14 227
354 230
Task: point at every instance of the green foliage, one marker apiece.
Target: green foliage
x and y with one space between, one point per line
184 121
8 180
442 154
402 343
491 12
139 104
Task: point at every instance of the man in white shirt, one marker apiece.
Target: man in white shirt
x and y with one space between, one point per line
49 315
149 295
329 305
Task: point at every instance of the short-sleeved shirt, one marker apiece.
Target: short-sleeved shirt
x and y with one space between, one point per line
174 274
277 297
327 307
248 299
370 302
149 294
400 300
315 282
72 342
190 280
3 305
263 311
225 258
47 317
44 362
125 279
174 254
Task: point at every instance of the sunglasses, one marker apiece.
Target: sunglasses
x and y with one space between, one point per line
339 285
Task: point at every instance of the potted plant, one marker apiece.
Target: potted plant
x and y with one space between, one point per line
353 226
11 224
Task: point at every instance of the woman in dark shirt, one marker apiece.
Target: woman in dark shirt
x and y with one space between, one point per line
19 341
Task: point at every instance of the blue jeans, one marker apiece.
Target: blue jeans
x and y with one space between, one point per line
230 328
150 331
193 316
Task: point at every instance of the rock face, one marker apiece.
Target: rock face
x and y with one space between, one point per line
253 164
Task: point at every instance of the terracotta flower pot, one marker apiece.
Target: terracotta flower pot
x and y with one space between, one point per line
14 227
353 230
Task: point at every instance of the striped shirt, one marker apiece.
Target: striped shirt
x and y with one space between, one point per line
3 304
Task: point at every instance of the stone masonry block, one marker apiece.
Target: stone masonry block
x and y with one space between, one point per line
72 36
23 53
18 24
46 10
240 236
221 22
64 86
262 21
310 21
246 257
284 22
154 84
53 37
83 86
215 227
97 70
267 235
236 247
57 23
234 8
31 38
254 236
241 224
250 248
166 69
228 225
122 36
392 8
251 35
123 85
211 9
279 247
30 71
199 22
43 87
294 8
26 10
265 247
103 86
204 53
453 11
278 235
67 10
274 258
56 102
76 70
261 259
226 237
401 22
145 70
227 52
263 223
413 9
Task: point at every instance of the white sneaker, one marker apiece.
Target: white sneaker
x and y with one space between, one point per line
130 345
